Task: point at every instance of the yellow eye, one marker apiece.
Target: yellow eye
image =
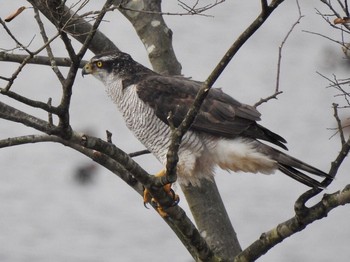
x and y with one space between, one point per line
99 64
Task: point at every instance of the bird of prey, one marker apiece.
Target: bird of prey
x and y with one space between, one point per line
225 132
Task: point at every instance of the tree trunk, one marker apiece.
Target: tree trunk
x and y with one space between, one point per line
212 219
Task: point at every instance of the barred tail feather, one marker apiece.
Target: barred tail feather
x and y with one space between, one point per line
292 167
299 176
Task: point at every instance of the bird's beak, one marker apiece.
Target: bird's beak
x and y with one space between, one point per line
87 69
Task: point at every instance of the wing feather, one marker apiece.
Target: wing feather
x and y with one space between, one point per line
220 114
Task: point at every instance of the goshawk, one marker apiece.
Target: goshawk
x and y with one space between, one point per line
225 132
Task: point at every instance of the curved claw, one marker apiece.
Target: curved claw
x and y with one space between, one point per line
148 199
176 197
145 205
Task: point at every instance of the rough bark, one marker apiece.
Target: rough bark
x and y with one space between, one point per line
74 25
153 32
212 219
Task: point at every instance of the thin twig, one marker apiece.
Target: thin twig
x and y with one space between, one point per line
282 45
340 127
190 10
264 100
277 91
139 153
48 47
25 61
18 43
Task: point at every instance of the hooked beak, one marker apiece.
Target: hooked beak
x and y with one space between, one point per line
87 69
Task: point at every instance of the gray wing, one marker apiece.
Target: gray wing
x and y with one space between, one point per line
220 115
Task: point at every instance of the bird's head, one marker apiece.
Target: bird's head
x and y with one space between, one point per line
109 66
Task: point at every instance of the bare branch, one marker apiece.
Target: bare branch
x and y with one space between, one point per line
198 10
38 60
15 115
190 10
277 91
264 100
18 43
179 222
139 153
74 25
297 223
48 48
30 102
28 139
282 45
304 216
338 85
25 61
264 5
340 127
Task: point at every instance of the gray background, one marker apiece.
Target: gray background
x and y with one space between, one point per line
45 216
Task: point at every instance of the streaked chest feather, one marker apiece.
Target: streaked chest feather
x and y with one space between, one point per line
140 118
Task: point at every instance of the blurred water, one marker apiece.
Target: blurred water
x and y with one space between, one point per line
46 216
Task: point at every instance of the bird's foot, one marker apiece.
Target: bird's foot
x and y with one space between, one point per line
147 197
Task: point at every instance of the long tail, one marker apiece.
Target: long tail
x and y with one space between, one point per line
292 167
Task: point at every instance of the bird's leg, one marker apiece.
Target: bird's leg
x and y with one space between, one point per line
147 197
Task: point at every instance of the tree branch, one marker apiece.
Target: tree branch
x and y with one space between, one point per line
38 60
284 230
339 124
74 25
303 215
30 102
184 228
15 115
277 91
48 47
282 45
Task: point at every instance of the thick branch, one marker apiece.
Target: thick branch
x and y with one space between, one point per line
30 102
304 215
15 115
282 231
180 223
120 164
74 25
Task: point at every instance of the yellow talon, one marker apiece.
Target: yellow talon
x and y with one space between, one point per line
147 198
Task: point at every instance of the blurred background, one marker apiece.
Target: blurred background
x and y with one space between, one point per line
56 205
